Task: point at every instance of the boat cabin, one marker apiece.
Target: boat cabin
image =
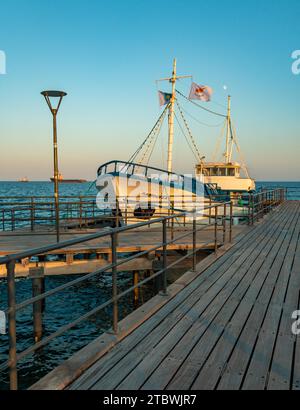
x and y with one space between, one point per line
219 169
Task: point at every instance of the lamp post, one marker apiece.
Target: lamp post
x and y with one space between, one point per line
54 111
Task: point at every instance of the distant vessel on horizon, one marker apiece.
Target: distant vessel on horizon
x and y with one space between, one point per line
24 179
68 181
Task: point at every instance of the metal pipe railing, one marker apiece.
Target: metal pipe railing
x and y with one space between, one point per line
215 219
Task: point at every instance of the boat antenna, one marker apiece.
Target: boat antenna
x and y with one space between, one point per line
172 80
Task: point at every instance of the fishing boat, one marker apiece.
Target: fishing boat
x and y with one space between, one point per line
61 179
145 191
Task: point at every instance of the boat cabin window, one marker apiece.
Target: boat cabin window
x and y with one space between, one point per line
220 171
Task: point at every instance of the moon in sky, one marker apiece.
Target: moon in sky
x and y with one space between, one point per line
225 87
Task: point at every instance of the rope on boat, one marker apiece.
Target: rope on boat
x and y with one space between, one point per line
202 123
239 151
218 144
135 154
200 106
189 132
195 155
152 140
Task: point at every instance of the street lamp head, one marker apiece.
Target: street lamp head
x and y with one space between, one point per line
53 94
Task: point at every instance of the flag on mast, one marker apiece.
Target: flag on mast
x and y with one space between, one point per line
200 92
164 98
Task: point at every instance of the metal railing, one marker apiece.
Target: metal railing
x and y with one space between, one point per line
81 211
36 211
216 217
219 223
263 202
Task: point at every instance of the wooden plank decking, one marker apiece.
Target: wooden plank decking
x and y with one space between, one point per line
229 328
131 241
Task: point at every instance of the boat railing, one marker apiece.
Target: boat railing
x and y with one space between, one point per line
117 166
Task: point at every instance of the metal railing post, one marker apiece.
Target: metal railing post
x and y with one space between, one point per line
224 224
114 281
249 209
252 209
80 212
231 221
172 222
12 332
164 274
32 214
194 243
216 229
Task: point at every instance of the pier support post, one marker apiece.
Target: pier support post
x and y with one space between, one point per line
69 258
38 287
13 373
136 290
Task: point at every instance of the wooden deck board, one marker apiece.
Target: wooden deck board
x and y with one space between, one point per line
213 327
187 297
131 241
228 328
136 356
258 371
206 316
210 352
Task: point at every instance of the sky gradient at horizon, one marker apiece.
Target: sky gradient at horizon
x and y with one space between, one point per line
107 56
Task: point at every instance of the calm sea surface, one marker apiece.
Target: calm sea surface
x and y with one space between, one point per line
64 307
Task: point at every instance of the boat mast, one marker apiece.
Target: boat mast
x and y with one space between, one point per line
171 118
228 133
172 80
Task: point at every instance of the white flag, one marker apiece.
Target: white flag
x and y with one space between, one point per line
200 92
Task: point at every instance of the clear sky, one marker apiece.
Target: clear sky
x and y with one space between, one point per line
107 55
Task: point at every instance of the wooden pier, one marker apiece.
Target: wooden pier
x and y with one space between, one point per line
226 326
129 242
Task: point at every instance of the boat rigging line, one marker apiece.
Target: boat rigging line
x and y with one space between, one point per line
200 122
189 132
135 154
188 142
200 106
152 141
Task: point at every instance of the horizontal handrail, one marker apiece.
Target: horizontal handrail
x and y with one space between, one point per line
75 241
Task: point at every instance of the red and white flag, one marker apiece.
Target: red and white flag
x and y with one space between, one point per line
200 92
